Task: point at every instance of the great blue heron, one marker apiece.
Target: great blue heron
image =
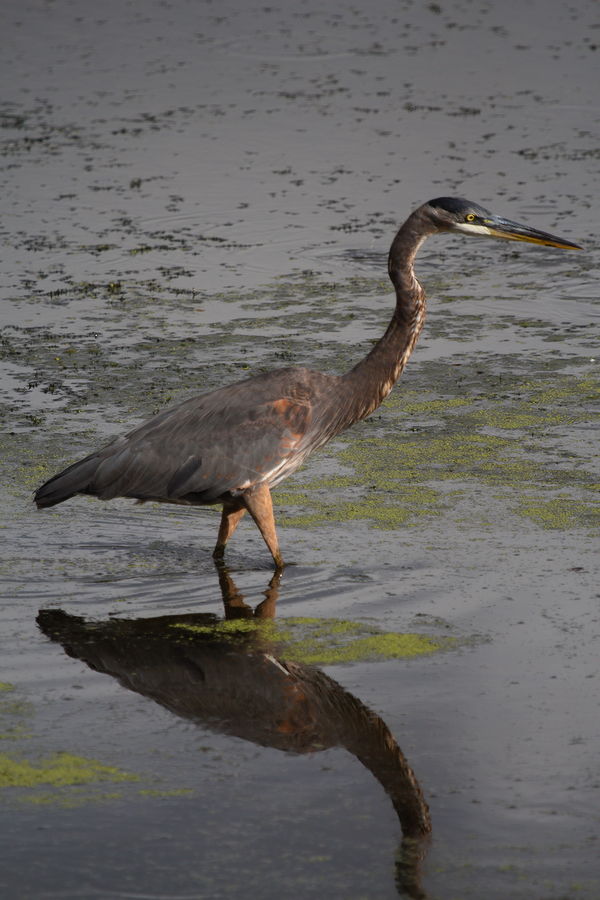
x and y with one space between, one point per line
233 445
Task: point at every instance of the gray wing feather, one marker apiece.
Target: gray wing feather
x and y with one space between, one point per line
204 447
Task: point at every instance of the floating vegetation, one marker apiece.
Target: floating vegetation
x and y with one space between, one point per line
59 770
322 642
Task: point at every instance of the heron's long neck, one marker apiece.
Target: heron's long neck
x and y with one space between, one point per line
370 381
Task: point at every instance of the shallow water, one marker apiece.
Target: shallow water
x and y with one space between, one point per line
193 194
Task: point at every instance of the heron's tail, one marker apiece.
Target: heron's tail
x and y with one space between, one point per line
74 480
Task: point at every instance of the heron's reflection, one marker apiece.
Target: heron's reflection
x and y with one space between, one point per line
237 682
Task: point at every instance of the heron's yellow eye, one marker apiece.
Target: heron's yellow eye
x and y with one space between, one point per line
471 217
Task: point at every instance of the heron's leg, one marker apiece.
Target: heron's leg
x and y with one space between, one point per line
230 519
260 506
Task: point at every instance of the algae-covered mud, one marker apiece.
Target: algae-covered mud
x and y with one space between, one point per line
195 194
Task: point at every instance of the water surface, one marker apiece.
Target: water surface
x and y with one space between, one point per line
196 193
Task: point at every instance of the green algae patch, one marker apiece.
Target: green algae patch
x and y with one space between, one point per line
567 390
60 770
375 647
6 686
430 407
510 420
408 504
69 782
321 642
562 512
394 464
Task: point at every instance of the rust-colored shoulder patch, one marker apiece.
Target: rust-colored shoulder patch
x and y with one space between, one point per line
295 416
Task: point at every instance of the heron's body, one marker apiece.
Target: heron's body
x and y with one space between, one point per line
231 446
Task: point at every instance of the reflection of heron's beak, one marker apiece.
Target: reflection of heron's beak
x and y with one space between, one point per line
513 231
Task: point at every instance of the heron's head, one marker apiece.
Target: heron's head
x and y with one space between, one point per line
455 214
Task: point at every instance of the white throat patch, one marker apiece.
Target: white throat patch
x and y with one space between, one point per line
467 228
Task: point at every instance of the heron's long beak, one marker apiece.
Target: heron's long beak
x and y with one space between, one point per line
513 231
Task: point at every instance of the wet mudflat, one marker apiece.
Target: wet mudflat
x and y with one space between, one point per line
193 194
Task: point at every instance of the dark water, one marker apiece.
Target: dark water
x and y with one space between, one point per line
197 191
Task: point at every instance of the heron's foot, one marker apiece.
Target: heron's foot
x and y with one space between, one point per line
281 566
218 555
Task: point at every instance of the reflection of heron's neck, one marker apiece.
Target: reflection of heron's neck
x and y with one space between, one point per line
371 741
366 736
373 378
384 758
